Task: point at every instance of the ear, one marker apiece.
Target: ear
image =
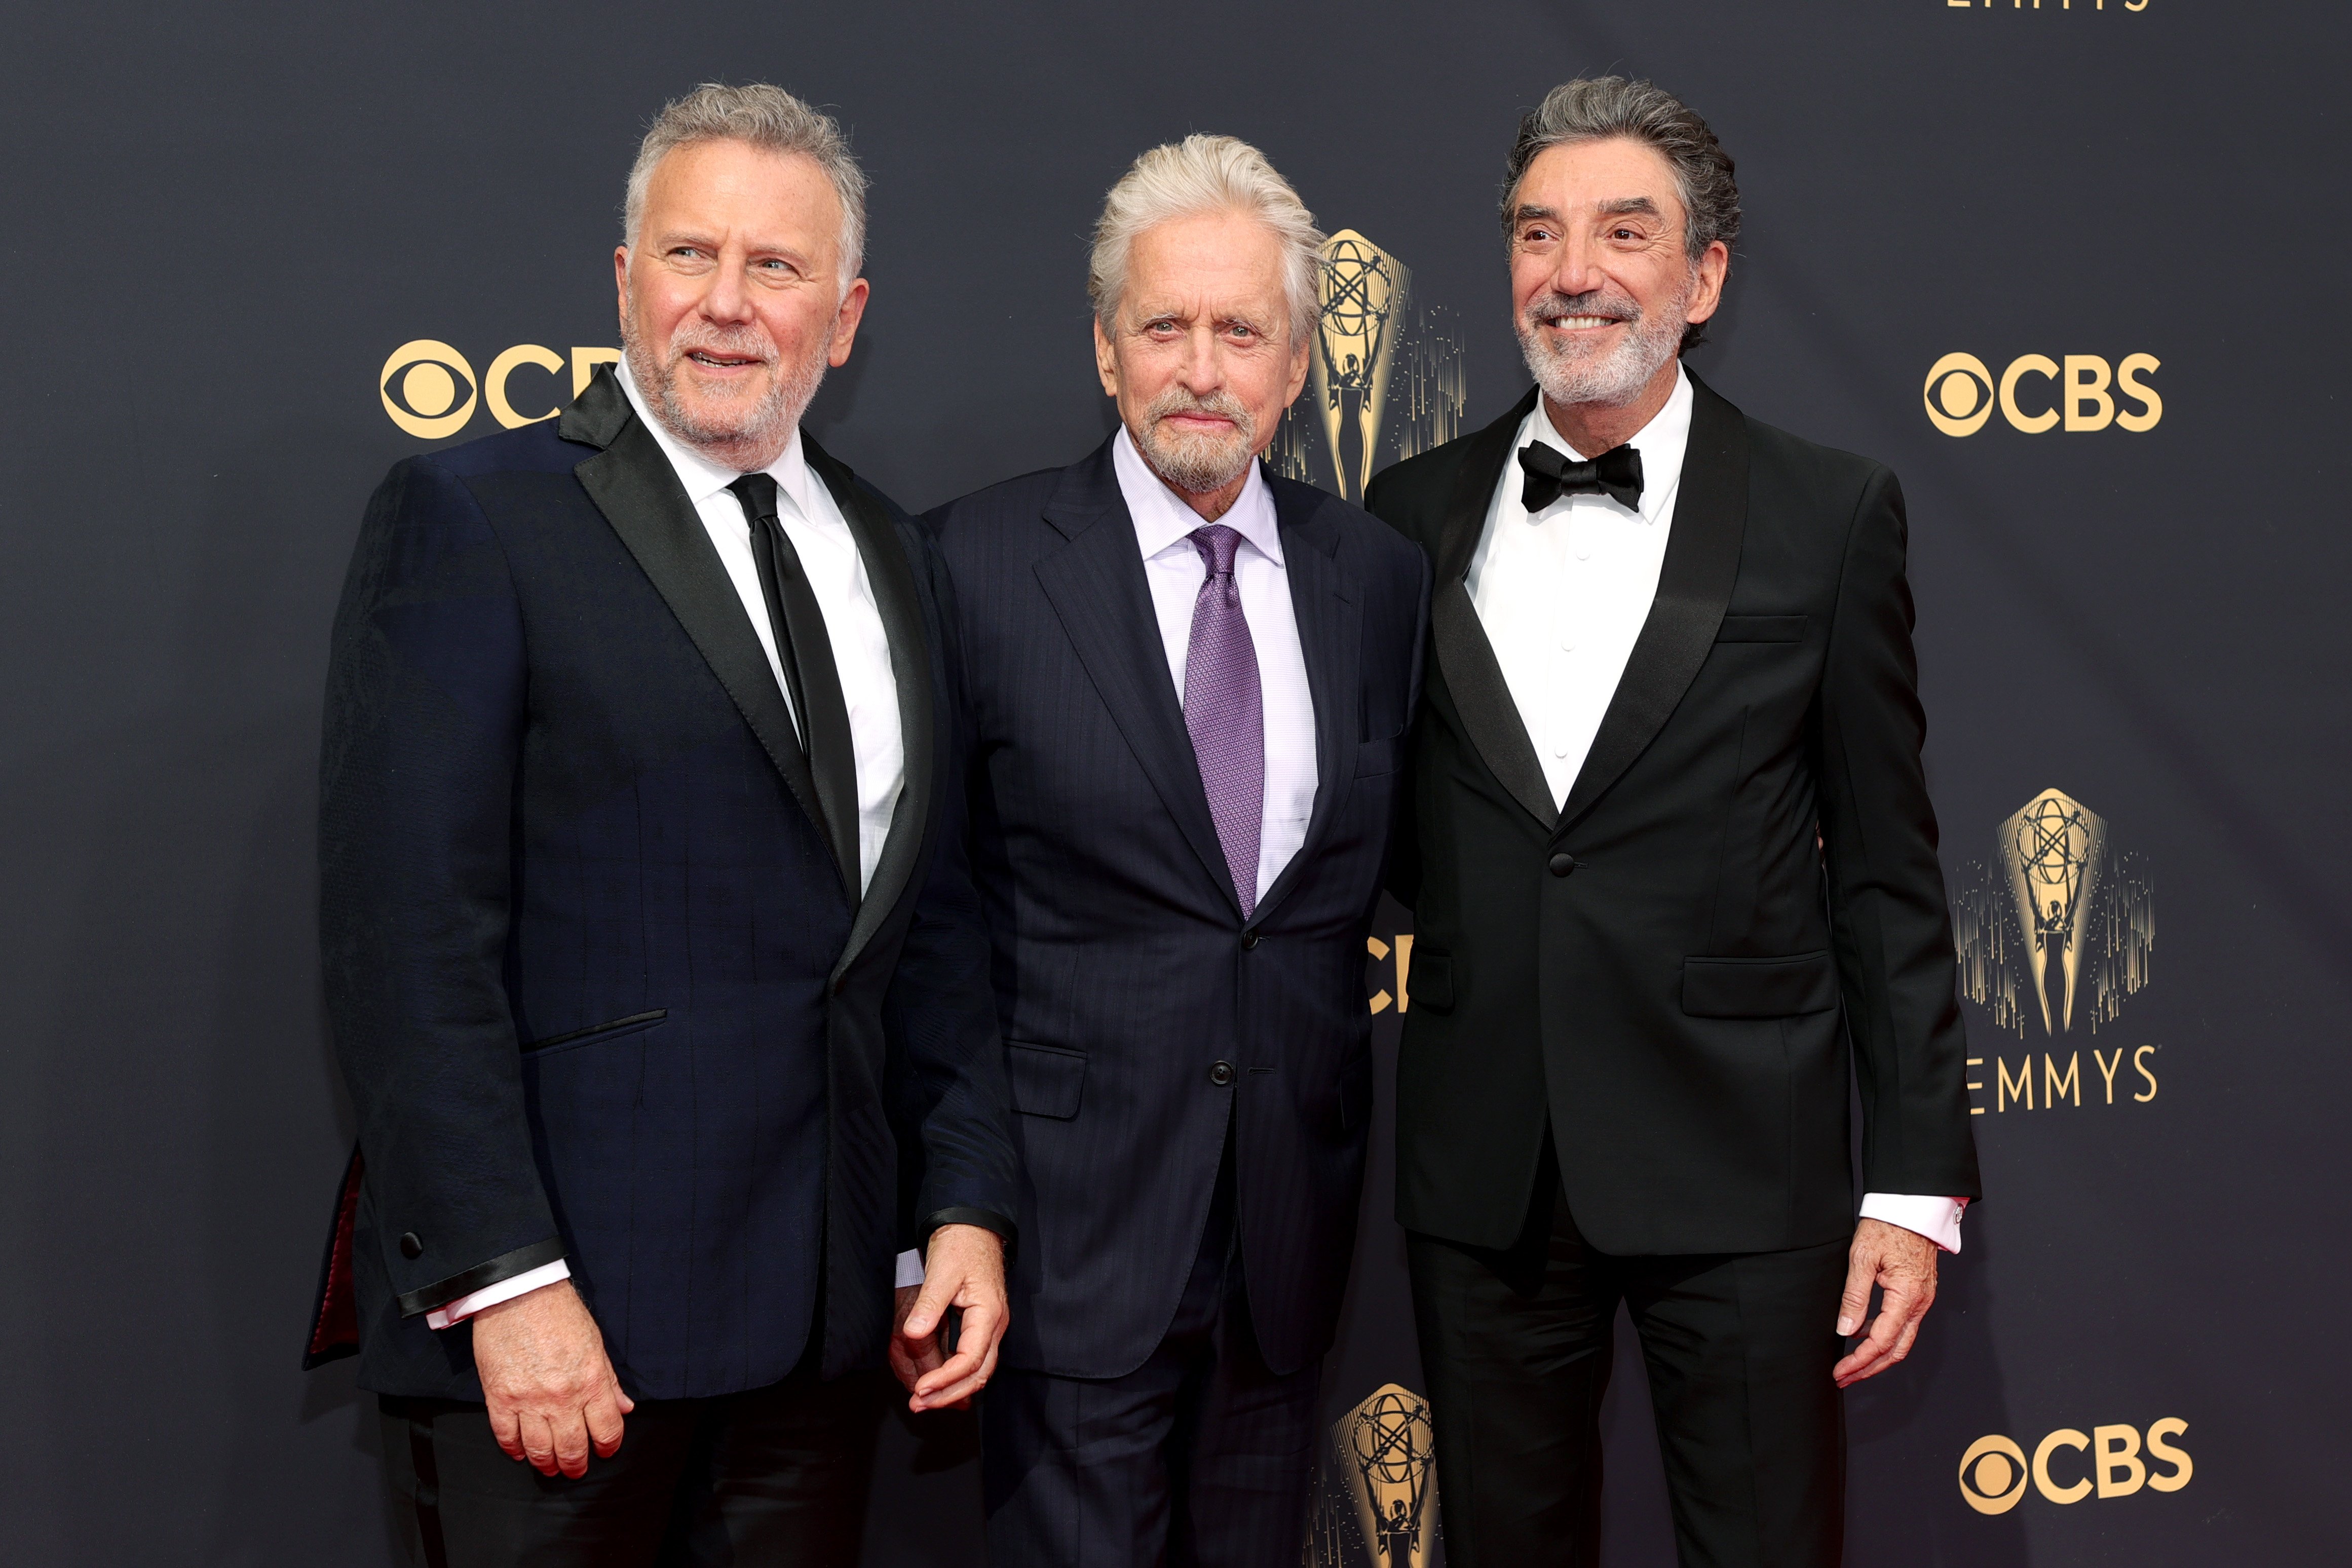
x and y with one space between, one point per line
844 324
1301 353
621 281
1712 267
1106 362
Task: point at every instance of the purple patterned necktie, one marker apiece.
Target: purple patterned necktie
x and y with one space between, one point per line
1226 712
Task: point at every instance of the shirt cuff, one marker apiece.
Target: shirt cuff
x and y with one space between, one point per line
910 1268
1937 1218
522 1284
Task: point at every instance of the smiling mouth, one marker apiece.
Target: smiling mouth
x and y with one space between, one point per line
719 361
1581 323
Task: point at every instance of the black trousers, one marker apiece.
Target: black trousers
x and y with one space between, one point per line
777 1475
1201 1456
1516 1345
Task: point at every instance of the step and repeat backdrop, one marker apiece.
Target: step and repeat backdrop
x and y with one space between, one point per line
2071 266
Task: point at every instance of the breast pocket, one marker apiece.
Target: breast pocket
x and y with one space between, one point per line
1048 1080
1762 629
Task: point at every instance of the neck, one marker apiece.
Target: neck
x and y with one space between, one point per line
1593 428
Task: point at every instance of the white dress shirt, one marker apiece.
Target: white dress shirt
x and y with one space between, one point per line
861 654
1562 595
1173 567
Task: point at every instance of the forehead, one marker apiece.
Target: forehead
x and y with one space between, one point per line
732 185
1584 174
1205 259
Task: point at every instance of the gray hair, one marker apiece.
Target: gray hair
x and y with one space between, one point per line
1595 109
771 120
1206 174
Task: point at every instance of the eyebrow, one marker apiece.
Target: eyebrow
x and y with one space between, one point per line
1622 206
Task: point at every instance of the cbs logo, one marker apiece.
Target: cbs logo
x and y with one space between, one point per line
1961 393
430 390
1995 1471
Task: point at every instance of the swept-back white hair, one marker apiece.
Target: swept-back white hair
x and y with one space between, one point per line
1206 174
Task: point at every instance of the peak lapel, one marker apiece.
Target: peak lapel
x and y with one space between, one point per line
1473 676
1329 607
636 488
1094 582
892 576
1695 583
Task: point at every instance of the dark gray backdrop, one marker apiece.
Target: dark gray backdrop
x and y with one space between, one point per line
219 220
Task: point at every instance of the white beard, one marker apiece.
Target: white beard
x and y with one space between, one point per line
1569 373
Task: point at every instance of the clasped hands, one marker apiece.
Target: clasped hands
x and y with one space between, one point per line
553 1397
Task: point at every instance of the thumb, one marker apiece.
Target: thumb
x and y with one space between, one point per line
932 1305
1854 1302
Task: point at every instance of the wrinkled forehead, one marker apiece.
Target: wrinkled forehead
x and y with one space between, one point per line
1221 264
770 199
1600 178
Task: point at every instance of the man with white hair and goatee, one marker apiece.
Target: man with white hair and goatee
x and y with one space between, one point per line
1188 683
651 954
1675 891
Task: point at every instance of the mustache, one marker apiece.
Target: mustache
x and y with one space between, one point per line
1553 306
1224 404
746 342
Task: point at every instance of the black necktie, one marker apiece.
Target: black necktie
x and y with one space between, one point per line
805 651
1552 474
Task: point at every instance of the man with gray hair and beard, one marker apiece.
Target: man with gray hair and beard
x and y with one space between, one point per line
1188 682
652 958
1675 889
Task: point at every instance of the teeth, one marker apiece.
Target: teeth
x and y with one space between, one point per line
1584 320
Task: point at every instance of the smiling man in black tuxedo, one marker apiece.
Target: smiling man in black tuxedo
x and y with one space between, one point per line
1673 870
654 965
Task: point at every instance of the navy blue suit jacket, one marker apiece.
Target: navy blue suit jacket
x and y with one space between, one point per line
1125 972
600 987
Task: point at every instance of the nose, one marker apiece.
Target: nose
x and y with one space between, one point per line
1202 371
728 301
1579 267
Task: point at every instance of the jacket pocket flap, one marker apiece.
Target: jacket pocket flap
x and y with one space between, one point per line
1375 758
1047 1081
1430 983
1759 987
1762 629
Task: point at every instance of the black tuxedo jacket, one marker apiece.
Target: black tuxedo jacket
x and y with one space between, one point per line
602 989
1142 1012
1669 973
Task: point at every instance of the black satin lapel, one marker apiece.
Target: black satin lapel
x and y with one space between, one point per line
892 576
1329 610
637 490
1097 586
1489 716
1695 583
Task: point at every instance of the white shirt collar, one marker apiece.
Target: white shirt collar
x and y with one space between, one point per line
1660 443
703 478
1162 518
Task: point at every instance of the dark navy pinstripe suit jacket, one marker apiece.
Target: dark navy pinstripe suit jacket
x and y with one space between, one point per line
1124 970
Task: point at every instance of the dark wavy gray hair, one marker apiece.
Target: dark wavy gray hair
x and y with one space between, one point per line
767 118
1595 109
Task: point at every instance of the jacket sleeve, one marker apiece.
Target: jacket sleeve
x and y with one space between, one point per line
425 690
947 1085
1892 926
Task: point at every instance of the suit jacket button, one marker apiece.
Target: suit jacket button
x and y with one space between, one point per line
1562 864
1249 940
1221 1074
410 1247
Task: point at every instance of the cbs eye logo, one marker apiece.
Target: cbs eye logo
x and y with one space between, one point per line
431 391
1994 1472
1960 393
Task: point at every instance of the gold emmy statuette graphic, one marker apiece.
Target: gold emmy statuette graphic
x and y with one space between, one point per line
1364 291
2056 852
1389 1461
2060 915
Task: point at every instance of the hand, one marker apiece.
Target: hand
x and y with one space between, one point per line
1902 1263
551 1391
964 1268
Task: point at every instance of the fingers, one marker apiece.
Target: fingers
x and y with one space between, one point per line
539 1442
604 1420
1892 1334
931 1304
967 1372
570 1429
1860 1269
506 1426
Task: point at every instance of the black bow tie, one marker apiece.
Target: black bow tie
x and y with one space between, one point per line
1552 474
